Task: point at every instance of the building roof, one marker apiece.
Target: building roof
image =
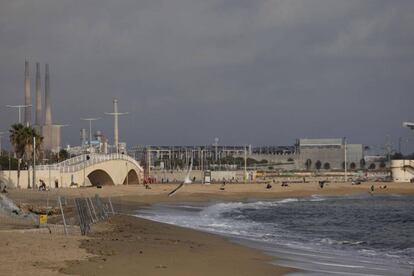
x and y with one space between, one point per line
321 142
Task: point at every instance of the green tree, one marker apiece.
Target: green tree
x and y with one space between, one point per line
362 163
4 163
318 165
21 138
64 154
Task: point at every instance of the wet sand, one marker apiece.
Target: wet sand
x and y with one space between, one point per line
136 246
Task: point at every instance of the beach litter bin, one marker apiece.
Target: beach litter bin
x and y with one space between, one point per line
42 220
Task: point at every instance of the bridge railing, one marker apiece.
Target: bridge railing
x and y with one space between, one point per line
81 162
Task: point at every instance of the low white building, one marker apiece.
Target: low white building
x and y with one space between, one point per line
402 170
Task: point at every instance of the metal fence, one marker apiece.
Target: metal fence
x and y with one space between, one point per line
52 212
92 210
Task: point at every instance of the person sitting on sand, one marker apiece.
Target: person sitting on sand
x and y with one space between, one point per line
372 188
284 184
268 186
42 186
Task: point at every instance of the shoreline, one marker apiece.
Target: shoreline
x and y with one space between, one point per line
165 247
138 246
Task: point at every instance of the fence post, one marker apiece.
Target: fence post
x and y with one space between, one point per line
90 210
63 216
112 207
93 208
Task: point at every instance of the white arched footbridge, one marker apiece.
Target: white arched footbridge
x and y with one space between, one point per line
92 169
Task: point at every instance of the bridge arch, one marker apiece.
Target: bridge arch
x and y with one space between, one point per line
100 177
131 178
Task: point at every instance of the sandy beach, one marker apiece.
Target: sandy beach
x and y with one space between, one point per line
125 245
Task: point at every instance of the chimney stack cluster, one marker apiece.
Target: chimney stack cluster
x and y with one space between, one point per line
43 118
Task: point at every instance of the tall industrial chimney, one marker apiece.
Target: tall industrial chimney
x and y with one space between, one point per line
48 105
27 98
38 120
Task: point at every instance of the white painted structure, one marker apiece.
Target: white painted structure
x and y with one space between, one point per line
402 170
83 170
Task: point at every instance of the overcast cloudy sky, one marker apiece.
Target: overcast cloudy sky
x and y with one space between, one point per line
259 72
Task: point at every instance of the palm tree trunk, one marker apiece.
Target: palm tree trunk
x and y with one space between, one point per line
18 172
28 176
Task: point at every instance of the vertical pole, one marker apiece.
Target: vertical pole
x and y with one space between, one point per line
49 177
345 161
149 161
84 174
63 215
116 142
112 207
90 211
20 115
34 163
90 134
93 208
245 165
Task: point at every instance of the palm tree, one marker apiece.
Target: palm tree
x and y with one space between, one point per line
21 137
318 165
17 140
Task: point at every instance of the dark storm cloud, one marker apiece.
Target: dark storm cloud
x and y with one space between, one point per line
260 72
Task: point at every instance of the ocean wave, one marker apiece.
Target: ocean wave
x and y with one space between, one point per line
317 198
345 242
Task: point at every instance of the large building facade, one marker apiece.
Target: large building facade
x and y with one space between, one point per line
305 154
328 154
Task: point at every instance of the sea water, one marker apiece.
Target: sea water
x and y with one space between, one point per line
347 235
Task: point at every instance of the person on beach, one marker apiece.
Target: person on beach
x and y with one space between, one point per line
42 186
321 184
372 188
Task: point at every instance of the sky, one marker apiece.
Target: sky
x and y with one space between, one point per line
257 72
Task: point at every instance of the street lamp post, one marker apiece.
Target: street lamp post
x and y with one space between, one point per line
345 161
34 163
245 164
409 125
116 114
19 107
90 128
